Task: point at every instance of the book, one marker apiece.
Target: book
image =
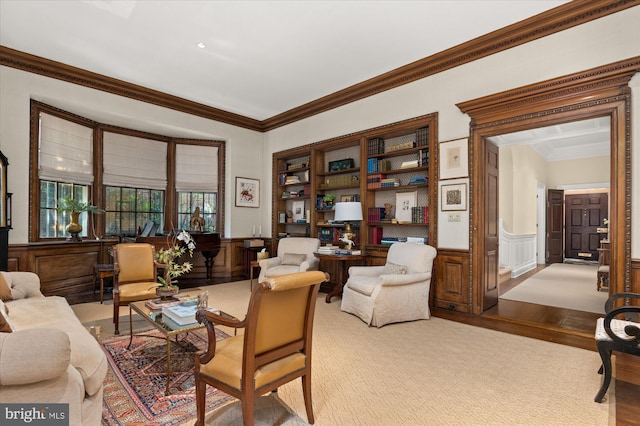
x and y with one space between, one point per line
158 304
183 314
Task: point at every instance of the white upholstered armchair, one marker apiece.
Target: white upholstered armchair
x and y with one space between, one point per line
295 254
395 292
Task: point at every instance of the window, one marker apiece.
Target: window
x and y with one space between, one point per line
206 201
128 209
65 170
197 184
53 222
139 177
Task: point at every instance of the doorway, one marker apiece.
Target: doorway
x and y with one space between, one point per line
558 101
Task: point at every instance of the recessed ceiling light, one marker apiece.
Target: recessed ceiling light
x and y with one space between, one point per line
201 45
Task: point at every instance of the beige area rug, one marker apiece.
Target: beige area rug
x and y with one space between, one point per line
562 285
431 372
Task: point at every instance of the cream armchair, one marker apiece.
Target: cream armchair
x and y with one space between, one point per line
395 292
294 255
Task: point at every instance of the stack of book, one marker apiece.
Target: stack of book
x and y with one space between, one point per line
418 180
422 136
289 180
375 214
389 182
420 214
348 252
375 146
181 314
158 304
374 181
327 249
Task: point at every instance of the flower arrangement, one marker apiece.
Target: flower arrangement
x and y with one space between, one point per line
167 257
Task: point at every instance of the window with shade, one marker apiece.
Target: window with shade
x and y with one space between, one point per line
197 185
65 170
134 176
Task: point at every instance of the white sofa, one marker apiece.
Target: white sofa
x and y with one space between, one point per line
50 357
395 292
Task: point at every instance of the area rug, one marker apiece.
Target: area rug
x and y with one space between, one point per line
562 285
136 380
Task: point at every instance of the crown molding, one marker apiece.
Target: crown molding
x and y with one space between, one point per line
552 21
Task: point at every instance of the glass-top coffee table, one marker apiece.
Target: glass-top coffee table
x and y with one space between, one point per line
167 327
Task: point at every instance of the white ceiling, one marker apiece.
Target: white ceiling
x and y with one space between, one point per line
261 58
579 139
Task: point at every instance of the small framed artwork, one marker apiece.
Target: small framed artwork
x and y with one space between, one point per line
454 197
247 192
454 159
404 202
298 210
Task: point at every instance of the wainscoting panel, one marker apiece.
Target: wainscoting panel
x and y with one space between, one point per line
517 252
452 281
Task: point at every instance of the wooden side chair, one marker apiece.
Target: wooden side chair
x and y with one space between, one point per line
135 276
618 330
275 348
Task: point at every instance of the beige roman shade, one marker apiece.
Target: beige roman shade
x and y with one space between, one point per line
134 162
196 168
65 151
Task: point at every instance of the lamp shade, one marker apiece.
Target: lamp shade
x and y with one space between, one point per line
348 211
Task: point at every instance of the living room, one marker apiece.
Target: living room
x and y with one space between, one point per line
574 49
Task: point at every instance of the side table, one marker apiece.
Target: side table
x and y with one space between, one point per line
252 265
344 261
100 272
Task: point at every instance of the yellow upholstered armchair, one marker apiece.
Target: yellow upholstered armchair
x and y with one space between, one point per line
274 349
135 274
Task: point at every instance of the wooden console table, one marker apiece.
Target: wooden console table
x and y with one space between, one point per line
343 264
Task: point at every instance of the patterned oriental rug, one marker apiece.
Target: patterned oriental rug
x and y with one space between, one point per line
137 378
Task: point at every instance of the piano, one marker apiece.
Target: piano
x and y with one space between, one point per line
208 243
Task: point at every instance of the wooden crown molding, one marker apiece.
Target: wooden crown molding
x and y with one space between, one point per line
612 78
552 21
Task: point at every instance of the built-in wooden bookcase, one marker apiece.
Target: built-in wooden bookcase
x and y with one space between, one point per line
337 168
347 167
292 194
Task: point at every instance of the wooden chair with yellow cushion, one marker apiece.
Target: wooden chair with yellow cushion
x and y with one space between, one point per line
274 349
135 276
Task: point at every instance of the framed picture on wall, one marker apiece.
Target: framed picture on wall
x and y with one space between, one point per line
454 159
247 192
454 197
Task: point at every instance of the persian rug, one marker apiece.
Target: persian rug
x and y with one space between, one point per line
137 377
562 285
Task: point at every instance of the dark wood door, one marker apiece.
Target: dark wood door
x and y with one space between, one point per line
491 226
555 226
585 213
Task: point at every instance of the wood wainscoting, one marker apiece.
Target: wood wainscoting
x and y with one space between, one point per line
66 268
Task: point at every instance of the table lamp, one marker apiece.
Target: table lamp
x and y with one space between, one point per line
347 212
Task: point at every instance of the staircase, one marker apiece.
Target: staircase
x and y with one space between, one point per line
504 274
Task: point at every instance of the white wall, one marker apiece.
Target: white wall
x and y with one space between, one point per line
604 41
243 147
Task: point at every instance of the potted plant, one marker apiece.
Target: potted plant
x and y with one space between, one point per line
328 199
74 208
167 258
